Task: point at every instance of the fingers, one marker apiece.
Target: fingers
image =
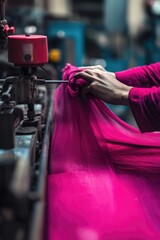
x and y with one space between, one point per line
93 67
89 75
85 91
86 75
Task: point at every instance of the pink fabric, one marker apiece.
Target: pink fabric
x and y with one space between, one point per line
104 179
144 98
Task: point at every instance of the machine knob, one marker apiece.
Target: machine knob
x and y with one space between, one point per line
9 30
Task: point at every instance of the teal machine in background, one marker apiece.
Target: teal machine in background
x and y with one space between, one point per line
67 37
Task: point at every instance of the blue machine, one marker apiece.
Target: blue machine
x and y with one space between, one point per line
68 37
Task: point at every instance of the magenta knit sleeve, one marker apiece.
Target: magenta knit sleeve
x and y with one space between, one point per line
144 97
142 76
145 106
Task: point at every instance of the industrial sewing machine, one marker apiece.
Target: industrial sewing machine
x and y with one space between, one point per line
26 117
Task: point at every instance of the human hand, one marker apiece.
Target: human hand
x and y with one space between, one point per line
98 67
104 85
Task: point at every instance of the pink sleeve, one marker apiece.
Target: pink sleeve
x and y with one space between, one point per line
142 76
144 97
145 106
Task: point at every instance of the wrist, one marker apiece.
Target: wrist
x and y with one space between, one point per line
125 96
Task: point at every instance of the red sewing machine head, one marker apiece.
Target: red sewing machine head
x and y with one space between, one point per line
27 50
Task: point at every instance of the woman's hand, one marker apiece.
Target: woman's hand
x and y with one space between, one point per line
104 85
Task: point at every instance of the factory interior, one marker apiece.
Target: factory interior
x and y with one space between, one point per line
37 39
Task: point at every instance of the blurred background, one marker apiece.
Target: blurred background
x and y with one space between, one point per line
115 34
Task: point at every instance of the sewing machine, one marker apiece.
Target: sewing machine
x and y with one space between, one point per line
26 118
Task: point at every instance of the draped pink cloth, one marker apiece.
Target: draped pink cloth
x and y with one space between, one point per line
104 175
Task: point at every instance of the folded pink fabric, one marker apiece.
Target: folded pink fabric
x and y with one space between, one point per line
103 181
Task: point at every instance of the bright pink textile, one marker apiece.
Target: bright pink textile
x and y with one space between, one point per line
104 174
144 98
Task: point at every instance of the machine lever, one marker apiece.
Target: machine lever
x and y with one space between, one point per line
55 81
6 95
